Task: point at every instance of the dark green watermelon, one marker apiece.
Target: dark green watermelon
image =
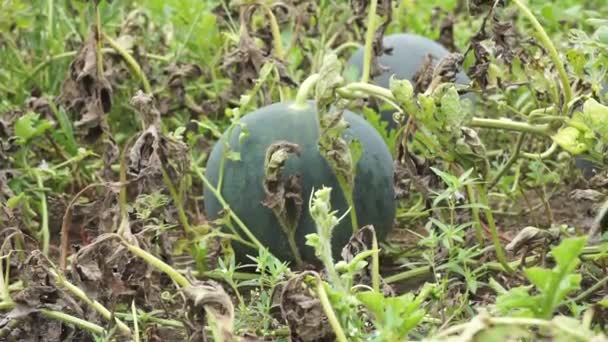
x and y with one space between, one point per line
243 180
407 56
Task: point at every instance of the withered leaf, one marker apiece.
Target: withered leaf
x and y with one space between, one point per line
302 310
152 152
284 197
41 292
385 10
243 64
424 75
447 68
85 93
446 32
179 74
360 242
208 303
532 237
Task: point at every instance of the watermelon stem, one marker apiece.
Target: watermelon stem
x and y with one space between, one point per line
131 63
548 44
307 86
369 41
279 51
500 254
329 311
351 90
226 207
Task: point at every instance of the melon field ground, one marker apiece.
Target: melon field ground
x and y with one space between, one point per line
296 170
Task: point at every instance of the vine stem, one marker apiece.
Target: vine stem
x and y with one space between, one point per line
306 88
156 263
548 44
369 41
5 295
355 90
543 155
131 62
510 125
58 315
99 41
45 215
102 310
475 211
345 46
375 264
50 4
279 51
226 207
509 162
177 200
329 311
493 321
135 320
500 255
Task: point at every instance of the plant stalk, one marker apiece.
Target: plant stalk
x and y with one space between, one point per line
329 311
369 41
80 323
548 44
44 214
483 198
157 263
475 212
225 205
102 310
306 88
131 62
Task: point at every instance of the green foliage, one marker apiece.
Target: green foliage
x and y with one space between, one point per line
30 126
586 130
47 159
551 285
395 317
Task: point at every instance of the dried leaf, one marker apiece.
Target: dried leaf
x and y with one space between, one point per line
41 292
360 242
284 197
424 75
244 63
302 311
532 237
85 93
152 152
207 301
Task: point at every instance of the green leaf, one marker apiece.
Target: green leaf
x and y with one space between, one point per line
577 60
518 299
451 108
403 91
233 155
566 254
374 302
14 201
70 143
602 34
571 140
594 116
356 151
29 126
539 277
